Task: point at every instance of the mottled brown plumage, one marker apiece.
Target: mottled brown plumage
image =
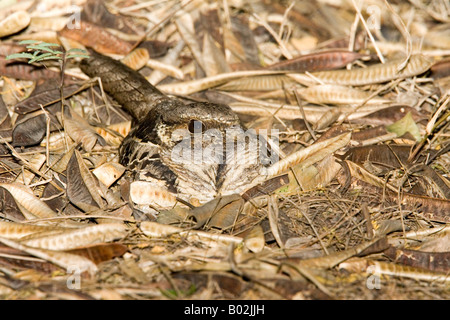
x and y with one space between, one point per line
166 127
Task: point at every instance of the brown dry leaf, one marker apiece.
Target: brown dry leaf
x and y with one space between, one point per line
213 58
378 73
44 96
81 132
433 261
82 187
24 71
100 252
97 38
221 212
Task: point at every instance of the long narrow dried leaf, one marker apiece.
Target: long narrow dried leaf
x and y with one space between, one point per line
380 268
336 94
82 189
326 60
433 261
44 98
310 155
189 87
377 73
259 83
24 71
75 238
213 58
158 230
14 230
186 29
100 252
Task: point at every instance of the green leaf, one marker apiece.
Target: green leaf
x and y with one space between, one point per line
43 48
404 125
44 56
78 50
70 56
20 55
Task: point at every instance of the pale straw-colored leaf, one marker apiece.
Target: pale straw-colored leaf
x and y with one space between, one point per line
109 172
259 83
15 230
145 193
336 94
254 240
70 239
14 23
213 58
158 230
189 87
136 59
310 155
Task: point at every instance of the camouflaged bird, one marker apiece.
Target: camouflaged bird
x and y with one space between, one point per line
164 128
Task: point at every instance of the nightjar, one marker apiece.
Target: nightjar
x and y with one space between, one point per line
190 151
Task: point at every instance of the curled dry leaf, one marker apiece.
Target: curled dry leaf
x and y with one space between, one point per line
114 133
82 188
136 59
81 132
109 172
220 212
14 23
254 240
30 205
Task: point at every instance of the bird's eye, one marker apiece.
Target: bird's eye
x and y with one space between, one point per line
196 126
